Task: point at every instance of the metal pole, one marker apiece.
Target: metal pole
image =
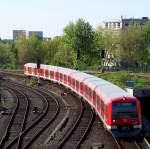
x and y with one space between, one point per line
0 93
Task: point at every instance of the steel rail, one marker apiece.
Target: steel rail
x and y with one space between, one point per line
20 111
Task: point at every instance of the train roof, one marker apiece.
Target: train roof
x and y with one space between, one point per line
31 65
80 76
105 89
66 71
111 92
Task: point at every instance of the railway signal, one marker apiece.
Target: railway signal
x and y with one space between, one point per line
102 59
38 63
38 67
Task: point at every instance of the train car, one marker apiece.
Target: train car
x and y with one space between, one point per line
119 111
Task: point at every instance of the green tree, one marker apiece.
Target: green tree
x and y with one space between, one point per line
21 44
7 57
35 49
56 52
80 36
133 49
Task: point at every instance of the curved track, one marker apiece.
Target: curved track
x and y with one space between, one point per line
75 134
18 118
78 132
24 138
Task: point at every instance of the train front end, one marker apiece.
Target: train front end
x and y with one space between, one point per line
126 117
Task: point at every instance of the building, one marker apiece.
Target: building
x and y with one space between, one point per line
113 24
134 21
18 33
8 41
123 22
37 33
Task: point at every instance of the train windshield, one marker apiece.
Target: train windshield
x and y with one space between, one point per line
124 109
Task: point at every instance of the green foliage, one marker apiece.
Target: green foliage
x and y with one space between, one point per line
22 50
133 45
35 49
7 57
129 48
80 36
29 50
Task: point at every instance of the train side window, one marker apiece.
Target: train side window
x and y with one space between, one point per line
51 74
86 91
77 84
69 80
81 87
73 82
46 72
57 74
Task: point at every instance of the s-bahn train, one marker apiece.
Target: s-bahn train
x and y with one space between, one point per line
119 111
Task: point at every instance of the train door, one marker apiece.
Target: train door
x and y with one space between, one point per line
102 108
65 79
98 104
61 77
51 74
84 90
57 76
77 86
46 73
69 81
105 112
94 98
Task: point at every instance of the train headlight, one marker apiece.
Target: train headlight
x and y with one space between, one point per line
114 121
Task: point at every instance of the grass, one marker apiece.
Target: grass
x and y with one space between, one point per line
120 77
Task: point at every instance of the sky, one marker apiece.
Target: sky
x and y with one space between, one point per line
51 16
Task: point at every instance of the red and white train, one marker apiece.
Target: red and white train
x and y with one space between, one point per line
119 111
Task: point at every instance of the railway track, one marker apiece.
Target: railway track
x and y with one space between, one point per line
79 130
74 137
51 113
18 118
132 143
29 134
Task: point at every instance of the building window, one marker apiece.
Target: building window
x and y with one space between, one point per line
106 25
118 25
